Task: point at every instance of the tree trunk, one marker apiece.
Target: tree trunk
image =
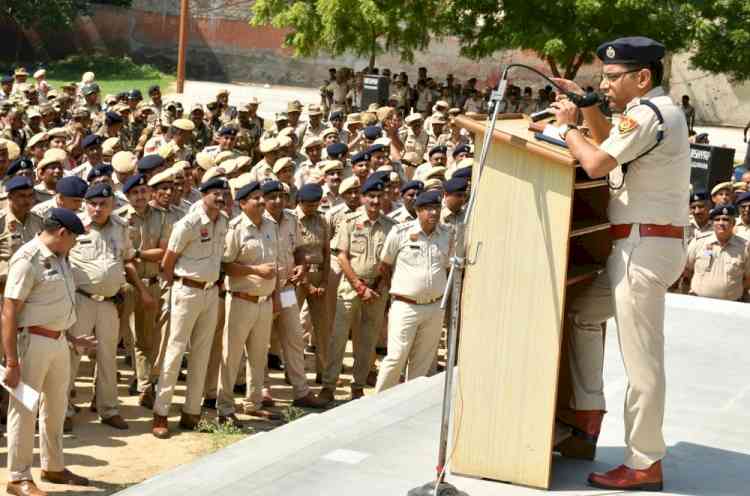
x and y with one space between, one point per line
553 66
572 71
371 65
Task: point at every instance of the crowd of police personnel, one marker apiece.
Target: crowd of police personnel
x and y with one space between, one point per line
242 243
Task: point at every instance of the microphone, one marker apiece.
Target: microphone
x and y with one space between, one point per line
541 114
587 100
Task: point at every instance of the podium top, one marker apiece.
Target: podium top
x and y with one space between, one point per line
515 132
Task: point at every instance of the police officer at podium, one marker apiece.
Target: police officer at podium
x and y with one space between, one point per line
646 157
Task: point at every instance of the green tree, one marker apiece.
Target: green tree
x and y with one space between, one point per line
565 33
722 42
365 28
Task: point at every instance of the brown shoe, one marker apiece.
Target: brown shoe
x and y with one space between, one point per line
92 406
24 488
68 425
586 425
160 427
372 378
64 477
264 414
357 393
189 422
116 421
230 419
267 401
327 395
626 478
146 399
311 401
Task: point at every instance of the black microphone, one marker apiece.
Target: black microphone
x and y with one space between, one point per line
587 100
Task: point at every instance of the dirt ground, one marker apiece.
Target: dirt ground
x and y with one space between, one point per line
114 460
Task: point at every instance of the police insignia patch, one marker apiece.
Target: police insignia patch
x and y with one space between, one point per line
204 232
611 52
627 124
413 237
12 226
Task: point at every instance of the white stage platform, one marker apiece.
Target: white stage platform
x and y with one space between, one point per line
386 444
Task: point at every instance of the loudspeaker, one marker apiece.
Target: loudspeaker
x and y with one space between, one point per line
709 166
375 90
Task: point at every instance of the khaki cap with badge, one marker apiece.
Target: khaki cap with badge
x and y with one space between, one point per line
284 141
224 156
204 160
329 131
38 138
110 145
282 164
213 172
183 124
14 151
414 118
52 156
330 166
269 145
165 176
314 110
286 132
348 184
720 186
124 162
311 142
294 106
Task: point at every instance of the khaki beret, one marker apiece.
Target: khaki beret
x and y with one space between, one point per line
433 184
238 182
14 151
124 162
327 131
435 172
53 156
314 110
281 164
269 145
169 150
351 182
38 138
294 106
287 131
58 132
720 186
212 173
355 118
310 142
414 118
164 176
184 124
330 165
284 141
224 156
109 145
204 160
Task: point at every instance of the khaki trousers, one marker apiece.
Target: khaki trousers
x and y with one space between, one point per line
45 366
124 316
319 318
100 319
633 289
334 279
214 359
162 325
147 339
248 327
413 338
365 321
289 332
192 319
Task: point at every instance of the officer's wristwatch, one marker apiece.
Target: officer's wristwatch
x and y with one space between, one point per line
565 129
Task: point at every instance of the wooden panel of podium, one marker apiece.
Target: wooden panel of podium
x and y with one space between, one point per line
538 233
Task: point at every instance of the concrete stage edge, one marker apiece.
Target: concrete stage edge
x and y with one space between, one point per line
386 444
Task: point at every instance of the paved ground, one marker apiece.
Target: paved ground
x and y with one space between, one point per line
386 444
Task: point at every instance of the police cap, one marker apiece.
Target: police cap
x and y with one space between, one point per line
67 219
18 182
310 192
413 184
430 197
99 190
72 187
245 191
133 181
630 50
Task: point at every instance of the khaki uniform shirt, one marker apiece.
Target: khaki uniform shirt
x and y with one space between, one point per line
41 209
338 92
363 240
420 261
450 218
200 244
13 235
98 258
657 185
718 271
416 143
44 282
402 215
329 199
289 237
248 244
742 231
314 236
42 194
693 230
147 232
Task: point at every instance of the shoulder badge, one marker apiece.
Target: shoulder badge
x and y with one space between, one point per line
12 226
204 232
414 236
627 124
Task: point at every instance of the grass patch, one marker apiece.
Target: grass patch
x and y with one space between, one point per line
223 435
113 74
292 413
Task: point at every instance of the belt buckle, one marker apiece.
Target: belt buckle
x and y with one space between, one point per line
97 297
262 299
207 285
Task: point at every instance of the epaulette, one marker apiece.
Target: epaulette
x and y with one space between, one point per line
117 220
351 216
702 235
123 211
235 221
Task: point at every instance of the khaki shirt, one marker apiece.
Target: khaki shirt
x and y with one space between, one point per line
147 232
657 185
289 237
401 215
338 93
416 143
98 258
363 240
41 209
420 261
42 194
200 244
742 231
718 271
45 283
329 199
248 244
450 218
314 236
13 235
693 230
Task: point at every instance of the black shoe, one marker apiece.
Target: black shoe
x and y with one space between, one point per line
381 351
318 379
274 362
182 377
240 388
310 349
209 403
133 386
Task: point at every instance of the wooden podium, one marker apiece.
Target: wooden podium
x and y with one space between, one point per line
538 233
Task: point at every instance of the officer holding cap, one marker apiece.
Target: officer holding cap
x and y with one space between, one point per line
39 305
646 156
191 267
417 255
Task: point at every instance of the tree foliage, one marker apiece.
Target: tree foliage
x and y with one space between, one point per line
723 38
565 33
365 28
42 15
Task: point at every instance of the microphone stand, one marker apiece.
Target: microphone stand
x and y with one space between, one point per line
453 289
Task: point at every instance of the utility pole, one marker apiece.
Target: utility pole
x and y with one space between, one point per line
181 45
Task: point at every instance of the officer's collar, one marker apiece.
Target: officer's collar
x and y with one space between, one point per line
44 250
653 93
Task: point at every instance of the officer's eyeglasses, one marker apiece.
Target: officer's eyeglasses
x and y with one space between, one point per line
614 76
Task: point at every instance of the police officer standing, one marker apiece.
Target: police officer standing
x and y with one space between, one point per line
39 306
648 216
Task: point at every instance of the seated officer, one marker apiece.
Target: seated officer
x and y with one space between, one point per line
718 264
